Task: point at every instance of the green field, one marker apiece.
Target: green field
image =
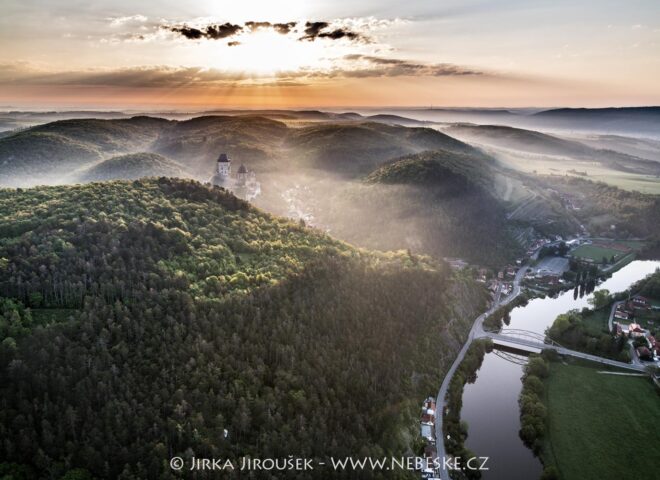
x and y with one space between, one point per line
596 253
601 426
630 181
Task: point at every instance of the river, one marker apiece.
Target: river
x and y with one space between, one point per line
490 405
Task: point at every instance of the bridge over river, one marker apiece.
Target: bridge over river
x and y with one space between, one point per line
532 342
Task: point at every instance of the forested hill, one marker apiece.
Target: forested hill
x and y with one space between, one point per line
132 167
435 168
139 320
438 203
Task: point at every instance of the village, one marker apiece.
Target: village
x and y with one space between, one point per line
430 470
557 264
637 318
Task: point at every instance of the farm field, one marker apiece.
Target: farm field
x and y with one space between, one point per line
596 422
599 250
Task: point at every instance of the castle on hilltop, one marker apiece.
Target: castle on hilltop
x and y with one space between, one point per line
244 184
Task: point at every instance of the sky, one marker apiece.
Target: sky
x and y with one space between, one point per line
205 54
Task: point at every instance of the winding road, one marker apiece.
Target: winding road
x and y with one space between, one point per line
477 331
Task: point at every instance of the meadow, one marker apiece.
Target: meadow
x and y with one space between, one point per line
598 423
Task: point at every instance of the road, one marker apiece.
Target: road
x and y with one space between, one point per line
610 322
477 331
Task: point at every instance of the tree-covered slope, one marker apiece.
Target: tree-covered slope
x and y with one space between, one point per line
358 148
132 166
435 168
48 153
196 143
28 156
189 313
438 203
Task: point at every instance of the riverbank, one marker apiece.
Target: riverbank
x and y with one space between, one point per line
454 431
599 426
490 405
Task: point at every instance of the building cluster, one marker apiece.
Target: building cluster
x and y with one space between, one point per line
648 348
427 431
244 184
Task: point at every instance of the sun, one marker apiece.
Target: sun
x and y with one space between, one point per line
265 53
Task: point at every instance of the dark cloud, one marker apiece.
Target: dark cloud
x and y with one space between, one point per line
284 28
312 30
394 67
315 30
281 28
212 32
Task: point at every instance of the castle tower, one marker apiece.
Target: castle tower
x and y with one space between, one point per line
242 175
224 166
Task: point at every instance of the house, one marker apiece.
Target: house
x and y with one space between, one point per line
641 302
482 275
618 329
655 345
621 314
644 353
635 330
427 420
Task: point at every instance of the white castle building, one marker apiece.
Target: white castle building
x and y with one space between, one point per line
244 184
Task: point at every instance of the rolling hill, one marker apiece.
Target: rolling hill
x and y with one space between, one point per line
163 313
634 120
530 141
436 202
132 166
196 143
357 148
48 153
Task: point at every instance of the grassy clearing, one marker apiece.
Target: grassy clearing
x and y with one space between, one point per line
600 426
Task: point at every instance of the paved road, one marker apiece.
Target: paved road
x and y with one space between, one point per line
610 322
476 331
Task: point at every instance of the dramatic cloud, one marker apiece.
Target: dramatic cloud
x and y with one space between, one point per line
349 66
371 66
314 30
336 30
212 32
284 28
152 76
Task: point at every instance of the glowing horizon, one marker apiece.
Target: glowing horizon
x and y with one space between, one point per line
296 54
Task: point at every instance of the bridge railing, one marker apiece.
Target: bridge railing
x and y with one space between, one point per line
526 335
